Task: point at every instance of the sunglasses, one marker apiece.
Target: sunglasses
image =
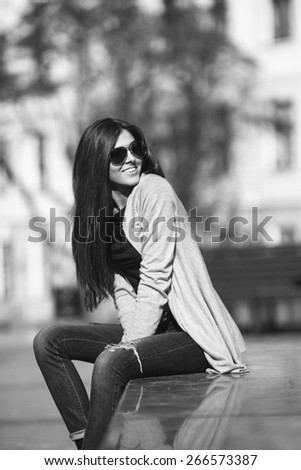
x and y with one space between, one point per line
119 155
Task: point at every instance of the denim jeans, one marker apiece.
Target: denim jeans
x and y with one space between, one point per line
55 346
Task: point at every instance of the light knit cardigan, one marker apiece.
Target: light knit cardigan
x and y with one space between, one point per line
172 269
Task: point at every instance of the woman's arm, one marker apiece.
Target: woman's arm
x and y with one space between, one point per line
157 252
124 300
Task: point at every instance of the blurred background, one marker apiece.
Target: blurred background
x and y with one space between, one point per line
215 85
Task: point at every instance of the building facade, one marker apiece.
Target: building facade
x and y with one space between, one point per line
267 156
35 190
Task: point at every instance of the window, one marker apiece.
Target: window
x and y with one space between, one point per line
284 133
5 270
5 174
282 18
41 156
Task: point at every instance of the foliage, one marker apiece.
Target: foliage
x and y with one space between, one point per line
174 73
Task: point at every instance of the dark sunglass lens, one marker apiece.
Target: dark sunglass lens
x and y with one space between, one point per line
138 148
118 155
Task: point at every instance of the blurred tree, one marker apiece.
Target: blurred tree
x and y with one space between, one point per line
40 44
175 73
7 79
207 78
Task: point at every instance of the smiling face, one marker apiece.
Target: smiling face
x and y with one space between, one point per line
128 173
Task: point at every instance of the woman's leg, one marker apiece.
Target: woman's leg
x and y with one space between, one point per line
161 354
55 346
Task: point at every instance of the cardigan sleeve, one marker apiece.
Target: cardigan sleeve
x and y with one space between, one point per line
124 300
158 243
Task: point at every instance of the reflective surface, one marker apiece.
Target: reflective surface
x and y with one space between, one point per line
261 410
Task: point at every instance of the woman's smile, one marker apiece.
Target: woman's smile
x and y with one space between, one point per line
131 170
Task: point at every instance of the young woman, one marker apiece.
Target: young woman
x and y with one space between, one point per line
132 240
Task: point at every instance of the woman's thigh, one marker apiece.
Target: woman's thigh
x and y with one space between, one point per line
161 354
171 353
78 341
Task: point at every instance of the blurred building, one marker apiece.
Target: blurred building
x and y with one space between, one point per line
260 279
35 190
267 160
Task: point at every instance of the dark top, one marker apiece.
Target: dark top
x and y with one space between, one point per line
126 262
126 259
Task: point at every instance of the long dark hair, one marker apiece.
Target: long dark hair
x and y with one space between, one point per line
91 244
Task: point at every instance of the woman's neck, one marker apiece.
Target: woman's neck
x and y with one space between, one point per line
120 194
120 198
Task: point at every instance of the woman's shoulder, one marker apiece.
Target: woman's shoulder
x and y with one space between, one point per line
155 185
153 196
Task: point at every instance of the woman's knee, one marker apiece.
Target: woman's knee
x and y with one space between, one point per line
111 364
45 339
105 361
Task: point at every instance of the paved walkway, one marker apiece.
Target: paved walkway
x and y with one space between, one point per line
260 411
28 417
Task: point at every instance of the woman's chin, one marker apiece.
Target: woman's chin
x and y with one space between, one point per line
128 179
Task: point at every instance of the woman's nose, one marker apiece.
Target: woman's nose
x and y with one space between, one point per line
129 157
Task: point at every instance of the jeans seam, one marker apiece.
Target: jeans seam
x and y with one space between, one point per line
58 343
124 380
170 350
